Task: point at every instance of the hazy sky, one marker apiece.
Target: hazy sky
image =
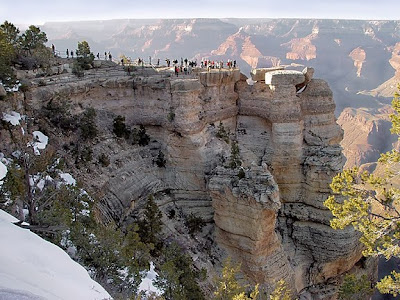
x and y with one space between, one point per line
39 11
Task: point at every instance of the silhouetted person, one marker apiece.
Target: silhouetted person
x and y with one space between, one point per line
67 53
72 54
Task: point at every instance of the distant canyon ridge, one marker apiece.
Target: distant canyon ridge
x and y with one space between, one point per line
360 60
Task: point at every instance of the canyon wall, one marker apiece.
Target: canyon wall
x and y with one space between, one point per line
271 216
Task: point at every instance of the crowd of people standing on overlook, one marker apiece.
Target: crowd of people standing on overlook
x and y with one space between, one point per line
184 66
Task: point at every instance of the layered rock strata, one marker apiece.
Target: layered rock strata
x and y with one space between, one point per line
295 136
271 219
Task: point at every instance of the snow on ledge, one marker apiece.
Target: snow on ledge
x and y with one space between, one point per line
146 286
13 118
40 141
3 170
68 179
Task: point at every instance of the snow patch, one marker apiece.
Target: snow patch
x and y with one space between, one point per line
40 141
3 171
34 267
147 286
14 88
68 179
250 81
13 118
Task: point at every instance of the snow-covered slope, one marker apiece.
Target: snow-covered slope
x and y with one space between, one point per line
32 268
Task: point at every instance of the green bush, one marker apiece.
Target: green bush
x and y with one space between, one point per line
160 160
222 133
234 160
58 112
78 70
194 223
177 277
171 116
104 160
119 127
144 138
88 124
241 174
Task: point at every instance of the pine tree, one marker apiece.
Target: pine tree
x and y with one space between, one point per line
229 288
150 225
234 160
88 124
371 204
355 288
119 127
177 278
32 39
281 291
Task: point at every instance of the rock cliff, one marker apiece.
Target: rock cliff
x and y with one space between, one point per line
271 215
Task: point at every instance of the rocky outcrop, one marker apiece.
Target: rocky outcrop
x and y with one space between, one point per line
366 134
294 136
358 55
245 218
269 215
390 86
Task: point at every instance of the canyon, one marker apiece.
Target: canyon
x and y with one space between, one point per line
270 218
358 58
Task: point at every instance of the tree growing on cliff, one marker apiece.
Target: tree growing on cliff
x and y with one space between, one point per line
371 204
234 160
177 277
355 288
84 58
228 287
32 39
11 32
150 225
119 127
88 127
7 51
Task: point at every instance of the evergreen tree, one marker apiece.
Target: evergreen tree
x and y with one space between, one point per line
144 138
84 58
353 288
119 127
11 33
371 204
88 124
222 133
150 225
32 39
281 291
160 160
228 287
7 51
234 160
177 278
